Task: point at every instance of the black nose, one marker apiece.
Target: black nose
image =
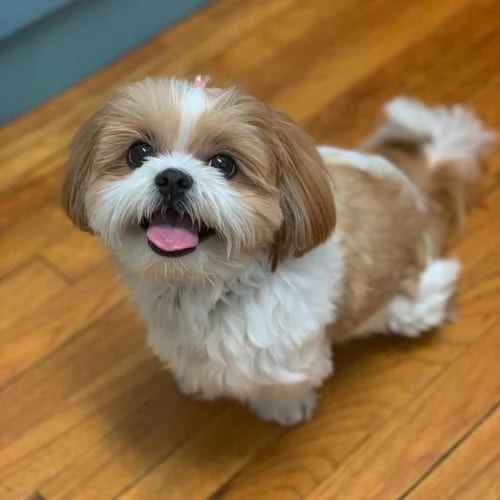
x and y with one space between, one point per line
173 183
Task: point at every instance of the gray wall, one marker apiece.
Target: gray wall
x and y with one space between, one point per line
17 14
39 58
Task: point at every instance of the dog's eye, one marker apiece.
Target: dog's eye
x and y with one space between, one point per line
224 163
137 153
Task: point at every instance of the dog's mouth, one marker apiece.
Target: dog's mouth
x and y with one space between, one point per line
171 234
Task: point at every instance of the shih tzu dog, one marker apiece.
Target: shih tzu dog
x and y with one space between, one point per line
250 251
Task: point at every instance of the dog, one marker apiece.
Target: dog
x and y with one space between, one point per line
250 251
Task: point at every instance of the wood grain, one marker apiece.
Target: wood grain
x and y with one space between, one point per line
360 51
90 409
86 411
471 471
52 324
198 467
416 71
396 455
34 275
372 382
73 265
27 235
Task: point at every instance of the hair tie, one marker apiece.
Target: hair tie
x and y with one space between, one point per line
200 82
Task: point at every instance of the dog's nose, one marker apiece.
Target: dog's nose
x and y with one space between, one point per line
173 183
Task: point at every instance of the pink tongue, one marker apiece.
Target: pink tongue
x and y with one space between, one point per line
170 233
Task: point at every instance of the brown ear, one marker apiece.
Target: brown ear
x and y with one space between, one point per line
79 170
306 192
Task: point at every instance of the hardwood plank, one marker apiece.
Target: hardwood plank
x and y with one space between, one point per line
52 324
300 31
373 379
361 48
482 292
471 471
39 226
76 254
161 424
478 228
79 369
414 439
17 171
24 237
486 102
25 284
432 69
479 289
346 120
28 196
197 468
99 397
102 388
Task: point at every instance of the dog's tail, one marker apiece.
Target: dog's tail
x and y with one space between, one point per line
441 150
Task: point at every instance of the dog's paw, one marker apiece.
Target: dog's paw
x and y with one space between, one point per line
187 390
433 305
286 412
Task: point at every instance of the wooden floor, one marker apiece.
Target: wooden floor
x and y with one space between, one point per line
87 413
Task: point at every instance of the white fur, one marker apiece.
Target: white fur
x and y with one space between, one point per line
259 336
137 196
376 165
210 200
430 309
451 132
288 412
193 103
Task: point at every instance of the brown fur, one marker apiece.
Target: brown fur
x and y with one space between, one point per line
385 239
306 195
450 195
80 169
448 186
281 176
380 260
99 149
277 158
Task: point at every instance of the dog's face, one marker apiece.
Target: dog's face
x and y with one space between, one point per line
189 183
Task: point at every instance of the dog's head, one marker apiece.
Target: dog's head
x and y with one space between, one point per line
188 183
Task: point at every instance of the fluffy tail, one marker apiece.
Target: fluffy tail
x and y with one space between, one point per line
441 150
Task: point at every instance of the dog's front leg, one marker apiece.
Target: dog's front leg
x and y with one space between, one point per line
285 411
188 390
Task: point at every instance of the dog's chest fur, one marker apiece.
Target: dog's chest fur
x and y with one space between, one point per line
242 338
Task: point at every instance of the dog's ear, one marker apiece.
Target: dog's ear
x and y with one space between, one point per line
79 170
306 192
